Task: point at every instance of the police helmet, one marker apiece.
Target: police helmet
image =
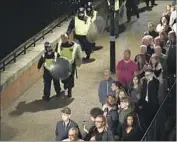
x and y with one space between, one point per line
47 45
89 7
81 12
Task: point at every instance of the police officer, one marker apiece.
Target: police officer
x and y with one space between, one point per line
91 14
73 52
46 59
81 25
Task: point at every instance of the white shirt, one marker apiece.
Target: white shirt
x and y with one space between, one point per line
159 28
160 77
173 17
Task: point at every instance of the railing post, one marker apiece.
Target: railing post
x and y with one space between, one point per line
24 49
43 36
4 66
34 42
14 57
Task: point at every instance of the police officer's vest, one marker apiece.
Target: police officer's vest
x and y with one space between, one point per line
116 5
94 16
67 52
47 62
81 27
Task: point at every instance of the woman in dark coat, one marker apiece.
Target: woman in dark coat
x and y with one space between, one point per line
130 130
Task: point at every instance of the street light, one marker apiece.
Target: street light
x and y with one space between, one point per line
112 37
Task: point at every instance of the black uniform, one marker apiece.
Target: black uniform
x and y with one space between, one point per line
47 77
147 3
132 7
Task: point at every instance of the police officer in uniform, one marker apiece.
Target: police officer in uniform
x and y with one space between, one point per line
72 51
80 24
91 14
46 59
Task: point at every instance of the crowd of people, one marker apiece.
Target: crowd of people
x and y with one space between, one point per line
130 101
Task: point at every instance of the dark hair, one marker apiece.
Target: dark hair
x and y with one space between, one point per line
132 114
117 83
166 17
113 101
131 84
94 112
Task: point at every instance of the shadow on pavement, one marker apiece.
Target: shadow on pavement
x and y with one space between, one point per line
88 61
41 105
7 132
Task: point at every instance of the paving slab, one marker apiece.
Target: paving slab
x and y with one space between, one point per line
31 119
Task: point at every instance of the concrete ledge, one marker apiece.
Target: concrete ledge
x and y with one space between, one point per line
19 76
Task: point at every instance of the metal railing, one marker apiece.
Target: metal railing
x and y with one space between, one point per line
156 129
22 49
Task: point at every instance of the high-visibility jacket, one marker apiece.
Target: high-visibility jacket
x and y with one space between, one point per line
67 52
81 27
116 6
48 62
93 18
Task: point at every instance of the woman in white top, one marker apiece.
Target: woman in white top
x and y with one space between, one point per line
163 22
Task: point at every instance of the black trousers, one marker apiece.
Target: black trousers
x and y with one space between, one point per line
132 8
85 44
69 82
147 2
47 84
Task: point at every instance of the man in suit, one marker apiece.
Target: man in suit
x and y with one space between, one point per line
149 96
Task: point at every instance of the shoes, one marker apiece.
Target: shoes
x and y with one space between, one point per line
58 94
69 93
45 98
97 48
128 21
148 8
86 58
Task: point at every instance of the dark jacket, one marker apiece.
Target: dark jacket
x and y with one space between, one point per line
171 57
106 135
153 88
113 121
133 135
150 51
61 131
152 33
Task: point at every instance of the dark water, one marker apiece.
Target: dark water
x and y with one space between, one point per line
22 19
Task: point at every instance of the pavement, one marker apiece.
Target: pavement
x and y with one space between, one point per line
31 119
